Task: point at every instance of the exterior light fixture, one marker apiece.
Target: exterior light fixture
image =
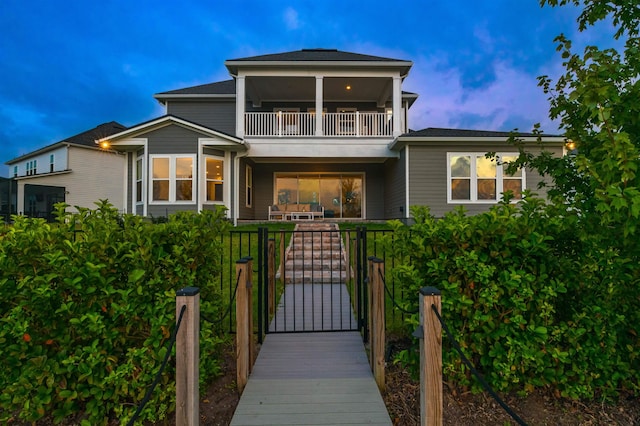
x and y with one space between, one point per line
571 145
348 87
105 145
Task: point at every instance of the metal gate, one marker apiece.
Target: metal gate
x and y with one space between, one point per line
311 280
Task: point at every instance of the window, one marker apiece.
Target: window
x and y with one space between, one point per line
474 178
171 178
215 179
34 169
51 163
15 171
139 174
249 178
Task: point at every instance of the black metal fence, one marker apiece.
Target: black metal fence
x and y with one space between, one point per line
318 278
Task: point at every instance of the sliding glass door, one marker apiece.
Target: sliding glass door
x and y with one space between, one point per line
339 194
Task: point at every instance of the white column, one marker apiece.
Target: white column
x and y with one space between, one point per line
240 104
397 104
319 96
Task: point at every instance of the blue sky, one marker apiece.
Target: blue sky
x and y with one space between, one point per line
67 66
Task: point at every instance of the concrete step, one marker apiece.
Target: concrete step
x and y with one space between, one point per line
325 255
314 265
312 246
311 277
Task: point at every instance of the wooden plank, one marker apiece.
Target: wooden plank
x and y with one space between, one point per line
311 379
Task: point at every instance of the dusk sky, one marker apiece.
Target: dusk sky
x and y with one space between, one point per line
68 66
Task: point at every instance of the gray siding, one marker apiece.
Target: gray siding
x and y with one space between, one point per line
263 181
172 140
395 187
219 116
428 175
164 210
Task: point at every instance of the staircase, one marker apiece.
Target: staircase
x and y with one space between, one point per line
315 255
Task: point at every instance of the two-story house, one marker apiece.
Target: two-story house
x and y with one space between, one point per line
319 132
74 170
318 128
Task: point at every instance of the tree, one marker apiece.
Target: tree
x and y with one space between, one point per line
596 102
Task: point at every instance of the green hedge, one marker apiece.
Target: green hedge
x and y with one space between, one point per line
87 305
534 300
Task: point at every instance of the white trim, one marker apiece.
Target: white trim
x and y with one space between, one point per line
407 183
473 178
160 123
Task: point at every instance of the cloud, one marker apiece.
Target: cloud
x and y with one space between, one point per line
291 19
511 100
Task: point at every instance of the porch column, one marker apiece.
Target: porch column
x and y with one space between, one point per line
240 104
397 104
319 96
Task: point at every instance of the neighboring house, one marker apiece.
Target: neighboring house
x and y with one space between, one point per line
8 191
74 170
312 130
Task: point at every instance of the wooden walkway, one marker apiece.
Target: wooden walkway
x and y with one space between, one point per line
312 378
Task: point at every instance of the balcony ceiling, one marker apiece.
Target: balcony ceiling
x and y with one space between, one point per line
303 89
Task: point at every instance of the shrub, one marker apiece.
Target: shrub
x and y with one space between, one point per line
88 304
533 299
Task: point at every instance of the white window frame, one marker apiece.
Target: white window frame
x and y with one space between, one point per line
248 194
172 178
224 179
474 178
51 163
140 158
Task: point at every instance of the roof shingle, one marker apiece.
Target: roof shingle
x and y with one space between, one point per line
318 54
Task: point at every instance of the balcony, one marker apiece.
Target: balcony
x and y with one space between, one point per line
303 124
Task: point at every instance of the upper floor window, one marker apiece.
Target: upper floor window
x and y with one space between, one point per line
51 163
474 178
172 178
215 179
15 171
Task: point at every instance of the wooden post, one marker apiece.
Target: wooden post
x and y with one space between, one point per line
242 324
188 357
271 289
347 254
252 343
354 296
377 322
369 290
282 254
430 359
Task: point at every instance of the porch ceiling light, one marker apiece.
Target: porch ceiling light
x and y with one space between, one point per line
571 145
348 87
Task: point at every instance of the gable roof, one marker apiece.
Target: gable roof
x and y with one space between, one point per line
166 120
86 138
